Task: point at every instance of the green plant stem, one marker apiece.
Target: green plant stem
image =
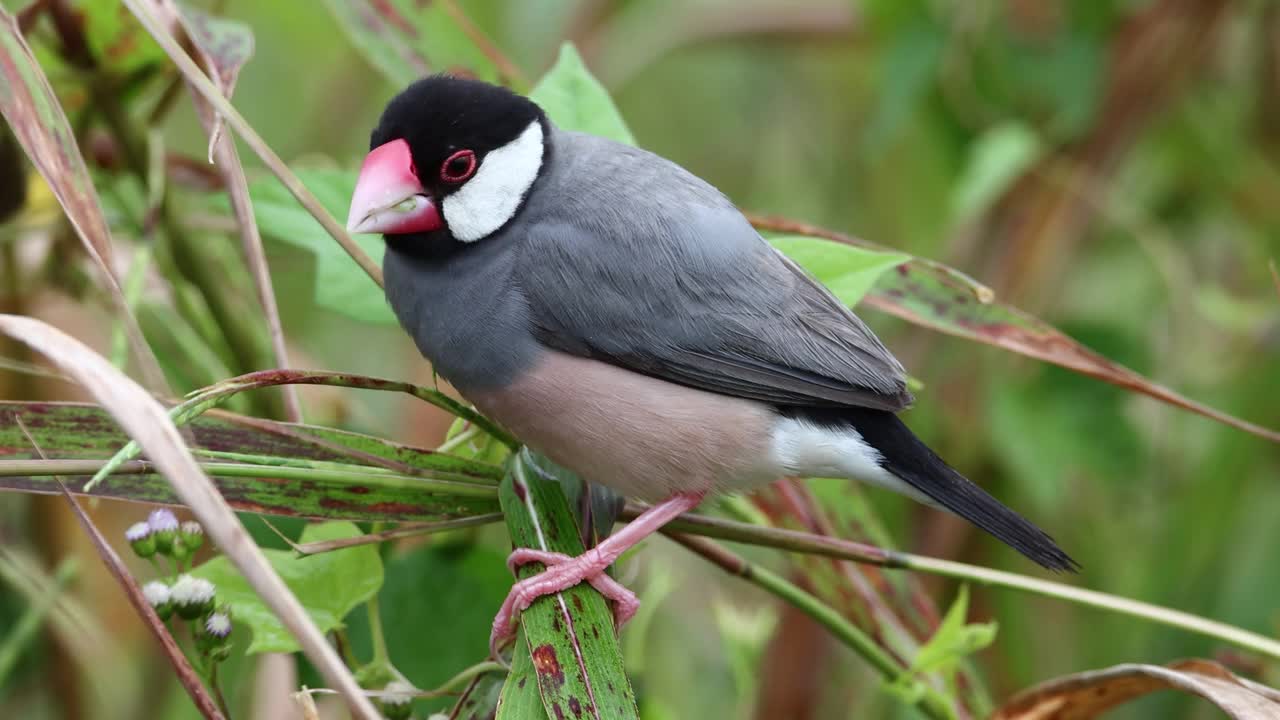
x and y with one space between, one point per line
218 697
488 666
1099 600
380 654
193 260
205 87
932 702
281 461
858 552
458 485
343 644
24 630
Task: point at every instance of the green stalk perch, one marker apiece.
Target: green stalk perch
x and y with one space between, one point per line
568 636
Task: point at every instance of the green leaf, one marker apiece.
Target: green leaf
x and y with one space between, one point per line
848 271
116 37
329 585
999 156
87 437
578 667
575 100
445 592
953 640
908 72
406 39
520 699
340 285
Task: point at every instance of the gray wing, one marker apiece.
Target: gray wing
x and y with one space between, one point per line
701 300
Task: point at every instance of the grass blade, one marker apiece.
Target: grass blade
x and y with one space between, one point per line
223 48
148 423
206 88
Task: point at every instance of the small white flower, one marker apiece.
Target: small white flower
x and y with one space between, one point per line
398 692
218 625
188 591
137 531
191 527
162 520
156 593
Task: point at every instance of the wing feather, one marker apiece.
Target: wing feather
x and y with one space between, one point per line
694 296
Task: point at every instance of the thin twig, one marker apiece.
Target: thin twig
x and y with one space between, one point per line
932 702
506 68
251 138
228 161
146 420
186 674
322 546
834 547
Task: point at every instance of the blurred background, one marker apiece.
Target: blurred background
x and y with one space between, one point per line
1112 167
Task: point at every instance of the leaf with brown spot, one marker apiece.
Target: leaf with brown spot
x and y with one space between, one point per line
941 298
568 636
1090 694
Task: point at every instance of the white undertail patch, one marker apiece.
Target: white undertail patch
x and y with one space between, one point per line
488 200
805 449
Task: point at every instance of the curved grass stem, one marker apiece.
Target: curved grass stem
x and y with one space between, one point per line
932 702
807 543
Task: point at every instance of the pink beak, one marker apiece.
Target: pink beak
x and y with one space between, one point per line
388 197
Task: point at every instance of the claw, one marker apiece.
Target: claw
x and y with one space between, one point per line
563 571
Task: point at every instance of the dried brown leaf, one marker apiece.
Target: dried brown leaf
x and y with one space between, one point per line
1090 694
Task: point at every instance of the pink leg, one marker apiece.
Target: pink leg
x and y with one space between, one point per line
624 601
564 572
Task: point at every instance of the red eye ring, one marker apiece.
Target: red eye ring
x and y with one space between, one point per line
458 166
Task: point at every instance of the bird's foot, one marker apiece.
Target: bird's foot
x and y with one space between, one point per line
562 573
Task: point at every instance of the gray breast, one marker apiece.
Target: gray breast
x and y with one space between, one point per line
464 313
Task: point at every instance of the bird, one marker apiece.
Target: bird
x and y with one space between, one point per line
621 316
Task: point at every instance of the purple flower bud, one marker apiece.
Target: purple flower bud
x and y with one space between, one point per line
192 535
141 539
164 528
162 519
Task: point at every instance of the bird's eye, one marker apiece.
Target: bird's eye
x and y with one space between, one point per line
458 166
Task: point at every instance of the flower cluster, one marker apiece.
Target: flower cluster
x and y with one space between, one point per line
189 598
162 535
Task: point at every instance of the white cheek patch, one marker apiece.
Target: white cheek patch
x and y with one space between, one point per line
806 449
489 199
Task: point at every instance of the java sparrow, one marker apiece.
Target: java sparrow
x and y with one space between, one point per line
622 317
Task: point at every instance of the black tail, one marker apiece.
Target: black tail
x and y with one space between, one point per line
908 458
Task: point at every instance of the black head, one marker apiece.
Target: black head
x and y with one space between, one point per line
441 115
449 155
